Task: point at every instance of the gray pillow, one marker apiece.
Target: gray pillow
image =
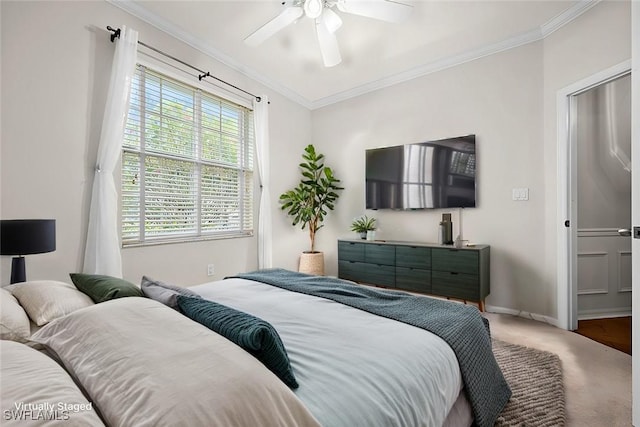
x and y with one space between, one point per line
164 293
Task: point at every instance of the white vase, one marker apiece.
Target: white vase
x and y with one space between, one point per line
371 235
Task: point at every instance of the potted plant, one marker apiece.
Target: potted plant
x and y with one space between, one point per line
309 203
362 225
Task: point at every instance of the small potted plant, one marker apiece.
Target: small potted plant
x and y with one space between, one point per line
363 225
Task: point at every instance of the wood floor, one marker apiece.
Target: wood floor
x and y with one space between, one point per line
613 332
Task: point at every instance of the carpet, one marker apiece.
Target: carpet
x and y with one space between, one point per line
535 378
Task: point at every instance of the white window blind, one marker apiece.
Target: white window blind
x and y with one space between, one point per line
187 163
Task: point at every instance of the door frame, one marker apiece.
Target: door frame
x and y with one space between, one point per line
567 178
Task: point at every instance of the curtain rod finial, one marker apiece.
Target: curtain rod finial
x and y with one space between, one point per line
115 33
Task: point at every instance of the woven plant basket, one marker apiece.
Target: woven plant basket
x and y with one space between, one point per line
312 263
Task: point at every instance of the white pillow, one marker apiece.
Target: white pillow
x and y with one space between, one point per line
14 322
46 300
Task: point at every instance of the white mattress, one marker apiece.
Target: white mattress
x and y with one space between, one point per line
353 367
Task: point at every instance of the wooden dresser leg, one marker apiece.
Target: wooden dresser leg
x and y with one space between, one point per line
481 305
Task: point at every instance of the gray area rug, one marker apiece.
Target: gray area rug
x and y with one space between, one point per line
535 378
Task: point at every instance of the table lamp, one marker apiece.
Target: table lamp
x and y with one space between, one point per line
26 237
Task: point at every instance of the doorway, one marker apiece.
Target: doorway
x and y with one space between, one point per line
602 125
567 216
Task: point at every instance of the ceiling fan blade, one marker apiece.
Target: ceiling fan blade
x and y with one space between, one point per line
285 18
328 44
331 19
384 10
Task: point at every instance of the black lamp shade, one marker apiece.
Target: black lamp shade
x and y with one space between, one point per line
27 236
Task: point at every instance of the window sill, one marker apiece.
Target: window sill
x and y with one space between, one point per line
157 242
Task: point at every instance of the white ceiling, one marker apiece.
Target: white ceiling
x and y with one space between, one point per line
375 54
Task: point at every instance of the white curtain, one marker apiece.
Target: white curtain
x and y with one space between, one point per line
102 253
265 236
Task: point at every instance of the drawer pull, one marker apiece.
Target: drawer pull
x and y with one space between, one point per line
454 273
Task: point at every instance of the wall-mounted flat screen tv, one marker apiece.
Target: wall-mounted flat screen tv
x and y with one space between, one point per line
426 175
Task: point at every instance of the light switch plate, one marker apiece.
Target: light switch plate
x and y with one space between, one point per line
520 194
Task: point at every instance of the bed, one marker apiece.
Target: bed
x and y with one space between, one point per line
140 361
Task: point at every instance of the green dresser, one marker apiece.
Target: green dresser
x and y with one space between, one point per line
460 273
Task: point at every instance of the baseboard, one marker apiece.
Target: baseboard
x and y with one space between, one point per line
604 313
521 313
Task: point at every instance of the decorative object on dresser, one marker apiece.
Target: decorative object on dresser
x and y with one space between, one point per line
459 273
26 237
446 230
309 202
363 225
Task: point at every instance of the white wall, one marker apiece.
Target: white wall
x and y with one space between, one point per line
56 59
498 98
604 182
508 101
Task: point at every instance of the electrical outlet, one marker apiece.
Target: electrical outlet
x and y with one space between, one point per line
210 270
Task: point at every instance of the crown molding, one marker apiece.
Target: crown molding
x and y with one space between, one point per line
567 16
134 8
531 36
524 38
439 65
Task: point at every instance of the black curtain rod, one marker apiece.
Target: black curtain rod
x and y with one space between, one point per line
115 34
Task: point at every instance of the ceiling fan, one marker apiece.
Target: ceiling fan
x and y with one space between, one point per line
328 21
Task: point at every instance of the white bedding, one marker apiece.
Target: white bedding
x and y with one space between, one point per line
36 391
354 368
144 364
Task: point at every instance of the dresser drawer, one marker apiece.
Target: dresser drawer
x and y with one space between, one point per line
351 270
455 285
351 251
413 256
413 279
376 274
455 260
380 254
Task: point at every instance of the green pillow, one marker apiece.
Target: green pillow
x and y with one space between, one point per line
253 334
103 288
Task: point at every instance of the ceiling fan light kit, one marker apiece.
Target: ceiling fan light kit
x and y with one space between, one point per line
313 8
327 21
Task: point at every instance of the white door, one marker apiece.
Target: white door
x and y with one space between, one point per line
603 144
635 200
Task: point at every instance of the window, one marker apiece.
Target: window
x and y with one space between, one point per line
187 163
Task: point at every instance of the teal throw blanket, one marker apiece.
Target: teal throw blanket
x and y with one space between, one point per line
253 334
